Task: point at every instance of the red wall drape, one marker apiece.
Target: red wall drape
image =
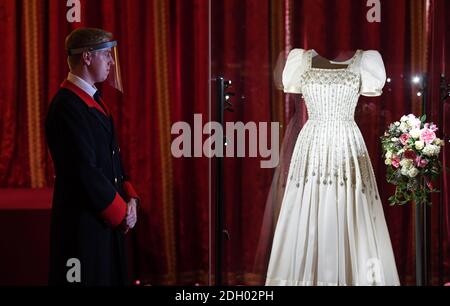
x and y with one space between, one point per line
163 51
439 55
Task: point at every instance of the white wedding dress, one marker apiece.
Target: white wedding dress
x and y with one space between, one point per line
331 228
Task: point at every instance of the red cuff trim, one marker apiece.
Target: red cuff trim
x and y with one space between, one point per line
129 190
115 212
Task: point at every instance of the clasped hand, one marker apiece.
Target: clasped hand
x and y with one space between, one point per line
131 217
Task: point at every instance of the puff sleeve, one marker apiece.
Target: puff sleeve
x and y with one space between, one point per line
292 72
373 74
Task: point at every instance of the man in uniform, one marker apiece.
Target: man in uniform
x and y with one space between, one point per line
94 203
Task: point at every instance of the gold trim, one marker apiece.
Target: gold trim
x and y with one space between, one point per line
163 102
33 92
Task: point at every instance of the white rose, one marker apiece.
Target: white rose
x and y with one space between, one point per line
404 127
428 150
437 150
397 123
415 133
431 150
438 142
414 122
404 118
406 163
413 172
388 162
404 171
419 145
388 155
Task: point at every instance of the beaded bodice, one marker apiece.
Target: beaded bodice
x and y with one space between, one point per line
331 221
330 148
331 94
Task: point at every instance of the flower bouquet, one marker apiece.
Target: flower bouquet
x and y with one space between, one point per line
411 151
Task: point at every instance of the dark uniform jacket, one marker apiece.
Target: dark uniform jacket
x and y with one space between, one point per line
90 192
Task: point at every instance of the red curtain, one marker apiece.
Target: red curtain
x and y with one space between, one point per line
163 48
439 55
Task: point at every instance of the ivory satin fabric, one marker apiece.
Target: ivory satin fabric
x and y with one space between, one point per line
331 228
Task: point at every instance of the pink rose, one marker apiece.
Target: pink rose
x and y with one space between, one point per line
404 139
421 163
410 155
428 136
396 161
431 127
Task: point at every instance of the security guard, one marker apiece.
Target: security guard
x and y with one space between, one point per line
94 203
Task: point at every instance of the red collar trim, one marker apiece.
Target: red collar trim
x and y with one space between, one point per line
90 102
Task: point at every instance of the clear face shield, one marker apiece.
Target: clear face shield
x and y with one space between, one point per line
110 68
